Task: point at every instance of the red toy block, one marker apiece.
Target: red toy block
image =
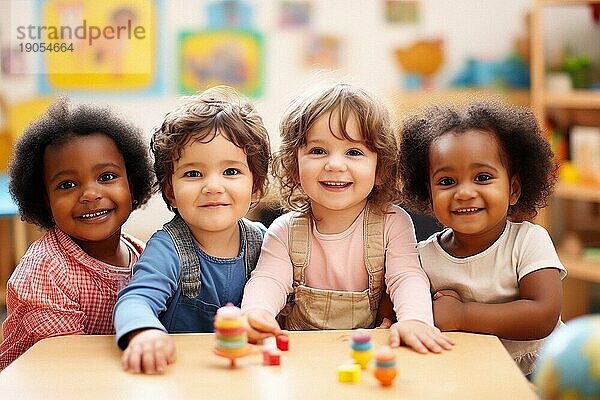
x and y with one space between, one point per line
272 357
283 342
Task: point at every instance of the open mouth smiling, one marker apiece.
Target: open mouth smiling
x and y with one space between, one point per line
94 214
335 185
469 210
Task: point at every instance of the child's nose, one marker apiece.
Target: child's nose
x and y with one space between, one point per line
465 191
213 185
91 193
335 163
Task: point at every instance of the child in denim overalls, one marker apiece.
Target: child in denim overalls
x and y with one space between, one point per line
211 162
322 265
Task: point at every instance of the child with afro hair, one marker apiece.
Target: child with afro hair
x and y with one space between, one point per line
77 172
482 171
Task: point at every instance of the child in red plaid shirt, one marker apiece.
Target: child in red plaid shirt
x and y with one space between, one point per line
77 172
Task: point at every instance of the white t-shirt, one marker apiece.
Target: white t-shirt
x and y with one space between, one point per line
493 275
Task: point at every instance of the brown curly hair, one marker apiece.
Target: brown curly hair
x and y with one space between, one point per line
525 151
375 127
220 110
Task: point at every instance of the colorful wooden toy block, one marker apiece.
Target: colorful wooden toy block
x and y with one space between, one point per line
283 342
361 348
349 373
385 365
272 357
232 340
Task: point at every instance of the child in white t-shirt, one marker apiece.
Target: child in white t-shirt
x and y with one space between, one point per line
481 171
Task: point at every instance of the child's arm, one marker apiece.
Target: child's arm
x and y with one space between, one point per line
149 351
533 316
409 289
154 282
266 292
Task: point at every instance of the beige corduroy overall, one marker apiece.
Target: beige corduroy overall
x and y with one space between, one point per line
310 308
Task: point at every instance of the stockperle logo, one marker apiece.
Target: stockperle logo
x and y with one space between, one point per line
81 44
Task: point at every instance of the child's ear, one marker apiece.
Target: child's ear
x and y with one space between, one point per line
256 196
169 195
515 189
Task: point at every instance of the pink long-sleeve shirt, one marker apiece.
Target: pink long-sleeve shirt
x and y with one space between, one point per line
337 263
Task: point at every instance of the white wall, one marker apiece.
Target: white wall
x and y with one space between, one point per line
484 28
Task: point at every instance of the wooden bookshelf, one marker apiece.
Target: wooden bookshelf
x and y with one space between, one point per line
573 107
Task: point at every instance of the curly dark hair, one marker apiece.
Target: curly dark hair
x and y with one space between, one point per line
374 124
219 110
57 126
525 151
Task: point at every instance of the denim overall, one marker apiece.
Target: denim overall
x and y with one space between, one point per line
310 308
201 315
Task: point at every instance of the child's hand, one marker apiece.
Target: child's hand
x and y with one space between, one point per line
447 310
419 336
385 324
149 351
260 324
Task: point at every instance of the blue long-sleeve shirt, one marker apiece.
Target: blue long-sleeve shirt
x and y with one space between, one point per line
153 298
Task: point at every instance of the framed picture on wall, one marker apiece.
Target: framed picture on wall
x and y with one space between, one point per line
221 57
91 45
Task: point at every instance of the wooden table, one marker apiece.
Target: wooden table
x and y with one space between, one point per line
88 367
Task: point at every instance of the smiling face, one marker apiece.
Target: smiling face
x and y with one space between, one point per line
211 186
87 188
336 174
470 185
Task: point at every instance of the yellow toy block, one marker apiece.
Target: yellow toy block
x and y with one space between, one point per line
349 373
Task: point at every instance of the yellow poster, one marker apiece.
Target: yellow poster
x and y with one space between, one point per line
98 45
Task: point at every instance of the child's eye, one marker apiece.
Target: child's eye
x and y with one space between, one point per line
483 177
193 174
354 152
446 182
317 150
66 185
231 171
107 176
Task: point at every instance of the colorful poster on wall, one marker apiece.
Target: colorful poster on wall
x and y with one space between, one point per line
401 11
221 57
323 51
91 45
293 13
229 13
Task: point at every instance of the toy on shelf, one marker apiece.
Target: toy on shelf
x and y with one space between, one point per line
420 61
385 365
569 363
362 348
232 339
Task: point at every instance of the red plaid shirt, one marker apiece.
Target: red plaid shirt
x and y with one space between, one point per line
58 289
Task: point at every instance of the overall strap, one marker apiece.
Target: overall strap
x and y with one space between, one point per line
374 254
253 238
190 262
299 245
